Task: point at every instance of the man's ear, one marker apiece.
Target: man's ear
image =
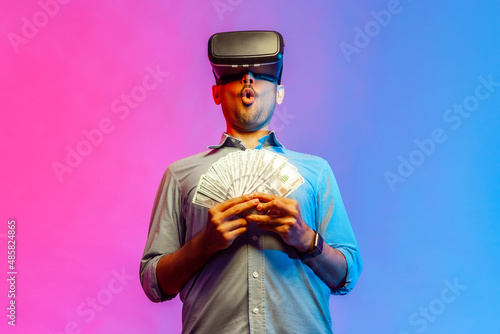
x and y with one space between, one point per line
280 93
216 94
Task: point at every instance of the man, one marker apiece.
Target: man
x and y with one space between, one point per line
258 263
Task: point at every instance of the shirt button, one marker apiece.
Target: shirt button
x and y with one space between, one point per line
255 311
255 274
254 238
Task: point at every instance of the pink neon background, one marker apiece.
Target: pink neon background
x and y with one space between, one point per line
75 233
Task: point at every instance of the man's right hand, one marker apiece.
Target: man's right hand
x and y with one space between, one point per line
224 225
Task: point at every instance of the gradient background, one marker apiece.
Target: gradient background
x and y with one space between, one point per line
363 112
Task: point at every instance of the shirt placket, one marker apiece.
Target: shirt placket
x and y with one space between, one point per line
255 275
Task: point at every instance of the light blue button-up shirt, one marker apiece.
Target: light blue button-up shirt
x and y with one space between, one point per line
259 284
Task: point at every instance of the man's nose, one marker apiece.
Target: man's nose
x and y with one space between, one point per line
248 78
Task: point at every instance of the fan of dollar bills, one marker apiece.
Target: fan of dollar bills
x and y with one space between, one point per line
243 172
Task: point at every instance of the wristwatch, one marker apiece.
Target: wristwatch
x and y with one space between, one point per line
317 247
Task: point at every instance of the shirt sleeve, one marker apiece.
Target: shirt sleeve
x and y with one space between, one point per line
165 234
335 227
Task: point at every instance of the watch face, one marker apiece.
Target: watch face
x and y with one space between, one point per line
318 247
319 244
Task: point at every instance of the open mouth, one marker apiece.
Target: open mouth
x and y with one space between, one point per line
247 96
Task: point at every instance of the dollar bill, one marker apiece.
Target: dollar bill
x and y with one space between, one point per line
243 172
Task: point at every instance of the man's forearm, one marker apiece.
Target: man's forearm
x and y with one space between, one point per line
330 266
175 270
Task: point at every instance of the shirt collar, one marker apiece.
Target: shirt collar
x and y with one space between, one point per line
230 141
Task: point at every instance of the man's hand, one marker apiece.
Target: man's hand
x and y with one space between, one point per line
224 225
282 215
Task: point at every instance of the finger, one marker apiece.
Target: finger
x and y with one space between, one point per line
272 225
275 221
264 197
231 225
233 201
236 233
258 218
239 208
274 206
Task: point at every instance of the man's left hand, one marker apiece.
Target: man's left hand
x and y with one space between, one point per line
282 215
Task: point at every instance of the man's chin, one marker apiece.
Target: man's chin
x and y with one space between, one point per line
249 127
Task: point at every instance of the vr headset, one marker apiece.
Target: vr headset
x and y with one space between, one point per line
232 54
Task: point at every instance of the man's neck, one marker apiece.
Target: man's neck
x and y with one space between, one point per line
249 139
